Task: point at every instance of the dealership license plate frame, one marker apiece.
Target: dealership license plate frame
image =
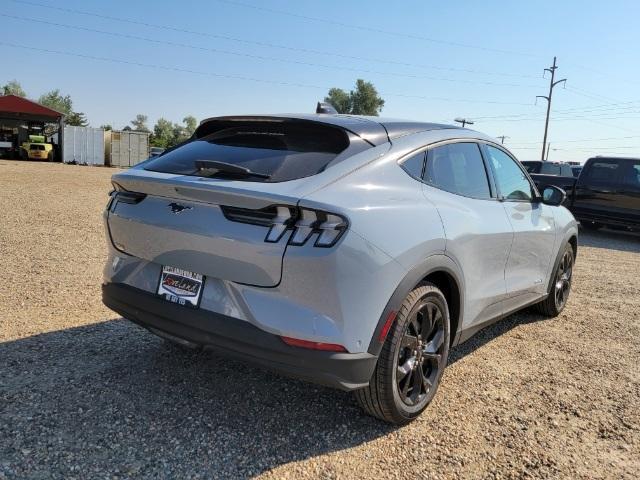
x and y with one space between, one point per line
180 286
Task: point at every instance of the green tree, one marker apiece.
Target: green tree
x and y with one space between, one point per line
106 126
56 101
340 100
364 100
13 87
77 119
163 133
140 123
190 124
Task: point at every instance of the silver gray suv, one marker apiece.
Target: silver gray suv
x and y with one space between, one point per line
348 251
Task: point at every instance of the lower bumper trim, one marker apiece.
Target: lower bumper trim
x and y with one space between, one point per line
238 338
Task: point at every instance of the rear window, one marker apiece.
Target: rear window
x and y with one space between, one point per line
37 146
549 169
603 172
276 151
532 167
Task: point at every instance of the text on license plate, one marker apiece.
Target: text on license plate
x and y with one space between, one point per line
180 286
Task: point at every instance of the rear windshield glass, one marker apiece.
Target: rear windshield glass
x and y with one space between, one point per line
275 151
37 146
603 172
532 167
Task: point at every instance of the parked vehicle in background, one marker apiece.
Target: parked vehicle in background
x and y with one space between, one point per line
539 167
576 169
606 193
37 149
551 173
155 151
348 251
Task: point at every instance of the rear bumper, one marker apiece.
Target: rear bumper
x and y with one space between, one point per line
238 338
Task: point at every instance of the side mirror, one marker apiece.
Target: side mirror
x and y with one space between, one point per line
552 195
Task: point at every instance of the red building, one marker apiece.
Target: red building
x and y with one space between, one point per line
20 118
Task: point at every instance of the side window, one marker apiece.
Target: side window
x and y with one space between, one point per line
632 177
511 180
458 168
414 165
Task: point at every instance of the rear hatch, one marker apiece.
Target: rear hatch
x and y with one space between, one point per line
224 203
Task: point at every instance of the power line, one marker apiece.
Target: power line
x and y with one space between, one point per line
582 140
258 57
597 108
586 94
267 44
236 77
373 29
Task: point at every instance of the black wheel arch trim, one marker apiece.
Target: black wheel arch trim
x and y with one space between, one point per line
570 234
432 264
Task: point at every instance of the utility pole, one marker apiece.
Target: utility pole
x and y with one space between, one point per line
463 121
548 148
552 84
502 137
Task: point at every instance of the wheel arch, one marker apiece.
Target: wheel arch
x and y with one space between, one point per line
570 237
438 269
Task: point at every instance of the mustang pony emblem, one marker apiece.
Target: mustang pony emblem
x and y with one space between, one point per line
177 208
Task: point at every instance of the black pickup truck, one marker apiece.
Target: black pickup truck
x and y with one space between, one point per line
607 192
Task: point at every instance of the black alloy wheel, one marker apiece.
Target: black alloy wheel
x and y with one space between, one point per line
412 360
420 353
562 285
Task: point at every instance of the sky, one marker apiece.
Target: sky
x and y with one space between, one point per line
429 60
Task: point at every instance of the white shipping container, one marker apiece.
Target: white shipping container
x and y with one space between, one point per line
126 148
83 145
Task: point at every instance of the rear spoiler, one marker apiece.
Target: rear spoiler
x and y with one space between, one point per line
370 131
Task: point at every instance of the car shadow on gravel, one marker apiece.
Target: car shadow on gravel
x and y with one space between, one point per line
112 398
495 330
610 240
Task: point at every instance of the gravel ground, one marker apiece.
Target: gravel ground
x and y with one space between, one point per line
85 394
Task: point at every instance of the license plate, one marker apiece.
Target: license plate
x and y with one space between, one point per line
180 286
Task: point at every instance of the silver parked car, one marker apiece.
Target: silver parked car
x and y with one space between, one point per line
348 251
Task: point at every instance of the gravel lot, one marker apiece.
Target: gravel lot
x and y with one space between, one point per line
85 394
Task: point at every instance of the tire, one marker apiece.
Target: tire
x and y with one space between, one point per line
561 287
398 400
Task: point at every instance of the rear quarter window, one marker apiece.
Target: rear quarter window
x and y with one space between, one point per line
281 150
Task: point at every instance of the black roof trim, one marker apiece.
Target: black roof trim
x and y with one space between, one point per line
374 130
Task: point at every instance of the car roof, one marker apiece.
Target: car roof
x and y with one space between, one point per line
375 130
606 157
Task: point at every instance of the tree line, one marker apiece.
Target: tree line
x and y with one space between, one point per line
362 100
165 134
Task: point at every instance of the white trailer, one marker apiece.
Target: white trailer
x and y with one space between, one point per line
83 145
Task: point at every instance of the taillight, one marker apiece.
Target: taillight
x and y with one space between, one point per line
125 196
323 228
